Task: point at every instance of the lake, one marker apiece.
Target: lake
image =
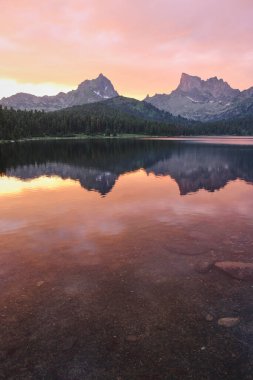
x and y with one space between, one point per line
108 252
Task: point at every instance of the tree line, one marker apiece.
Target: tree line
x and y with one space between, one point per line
97 119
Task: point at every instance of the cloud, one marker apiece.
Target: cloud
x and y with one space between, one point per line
143 46
6 44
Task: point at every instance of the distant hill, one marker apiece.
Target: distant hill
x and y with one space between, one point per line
122 107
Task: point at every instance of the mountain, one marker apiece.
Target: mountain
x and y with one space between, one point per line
201 100
211 89
193 99
89 91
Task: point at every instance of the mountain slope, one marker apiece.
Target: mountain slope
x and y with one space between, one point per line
122 107
89 91
201 100
241 109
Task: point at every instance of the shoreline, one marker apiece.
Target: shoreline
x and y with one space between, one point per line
131 136
75 137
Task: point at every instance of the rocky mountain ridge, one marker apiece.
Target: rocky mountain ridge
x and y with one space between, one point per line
89 91
202 100
194 98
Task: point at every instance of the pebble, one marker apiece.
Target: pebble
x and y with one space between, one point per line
203 266
132 338
40 283
209 317
228 322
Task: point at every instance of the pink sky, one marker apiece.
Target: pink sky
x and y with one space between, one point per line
143 46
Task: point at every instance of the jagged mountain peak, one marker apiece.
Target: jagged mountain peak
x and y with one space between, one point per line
100 83
214 86
100 79
88 91
199 99
187 82
102 76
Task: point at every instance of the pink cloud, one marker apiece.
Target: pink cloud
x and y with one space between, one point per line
143 46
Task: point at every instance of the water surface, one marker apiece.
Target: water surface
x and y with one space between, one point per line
101 246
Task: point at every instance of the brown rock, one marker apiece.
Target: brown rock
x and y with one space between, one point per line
40 283
236 269
132 338
228 322
203 266
209 317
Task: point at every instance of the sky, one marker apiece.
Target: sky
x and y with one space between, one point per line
142 46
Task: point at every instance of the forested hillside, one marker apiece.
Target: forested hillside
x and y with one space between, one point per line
113 117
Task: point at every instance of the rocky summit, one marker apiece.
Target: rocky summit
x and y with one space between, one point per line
89 91
202 100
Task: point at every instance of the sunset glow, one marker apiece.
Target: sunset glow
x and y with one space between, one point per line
142 46
12 186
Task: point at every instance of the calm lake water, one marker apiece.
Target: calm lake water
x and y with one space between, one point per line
106 259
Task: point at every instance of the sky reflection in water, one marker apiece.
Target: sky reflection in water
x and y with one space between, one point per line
140 215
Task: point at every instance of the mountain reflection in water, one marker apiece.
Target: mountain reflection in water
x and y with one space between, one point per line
98 164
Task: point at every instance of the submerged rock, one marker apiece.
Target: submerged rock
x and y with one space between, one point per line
40 283
203 266
132 338
236 269
228 322
209 317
